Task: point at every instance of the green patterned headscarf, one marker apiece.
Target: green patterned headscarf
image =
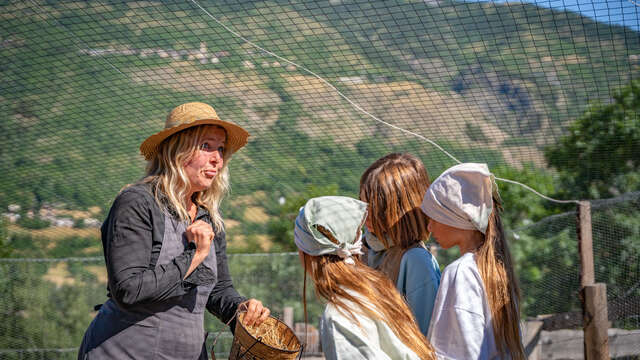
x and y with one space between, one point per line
343 217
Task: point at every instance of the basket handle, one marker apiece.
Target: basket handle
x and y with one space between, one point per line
215 340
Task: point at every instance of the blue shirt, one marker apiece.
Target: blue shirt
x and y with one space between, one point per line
418 281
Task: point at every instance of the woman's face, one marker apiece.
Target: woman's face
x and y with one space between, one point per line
206 162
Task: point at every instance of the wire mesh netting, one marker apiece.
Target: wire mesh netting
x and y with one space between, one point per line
548 265
38 291
48 303
546 92
554 287
85 82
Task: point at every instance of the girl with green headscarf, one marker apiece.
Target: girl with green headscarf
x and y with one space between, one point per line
365 316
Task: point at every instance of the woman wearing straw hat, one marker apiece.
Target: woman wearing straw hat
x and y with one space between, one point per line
164 246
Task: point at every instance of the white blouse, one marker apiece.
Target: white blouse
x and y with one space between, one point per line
461 325
342 339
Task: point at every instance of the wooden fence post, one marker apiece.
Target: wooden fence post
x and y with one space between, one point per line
593 296
585 244
595 322
288 316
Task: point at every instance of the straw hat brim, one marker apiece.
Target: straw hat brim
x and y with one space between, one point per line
237 137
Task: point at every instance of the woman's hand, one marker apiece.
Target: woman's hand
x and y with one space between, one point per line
256 313
201 234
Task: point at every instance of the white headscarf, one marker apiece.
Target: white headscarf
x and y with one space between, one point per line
461 197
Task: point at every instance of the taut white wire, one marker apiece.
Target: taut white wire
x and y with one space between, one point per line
537 193
355 105
359 108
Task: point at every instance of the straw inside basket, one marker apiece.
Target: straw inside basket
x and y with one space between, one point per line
272 339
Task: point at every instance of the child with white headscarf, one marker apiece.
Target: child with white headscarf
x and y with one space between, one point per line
475 315
365 316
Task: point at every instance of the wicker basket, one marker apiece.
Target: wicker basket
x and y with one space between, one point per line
261 346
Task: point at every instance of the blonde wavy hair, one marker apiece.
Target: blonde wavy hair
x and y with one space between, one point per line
394 186
496 269
165 171
378 299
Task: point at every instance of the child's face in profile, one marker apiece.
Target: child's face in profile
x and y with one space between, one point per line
449 236
368 223
445 235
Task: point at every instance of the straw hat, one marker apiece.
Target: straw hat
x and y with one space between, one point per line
193 114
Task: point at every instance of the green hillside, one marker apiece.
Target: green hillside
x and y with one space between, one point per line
83 83
540 63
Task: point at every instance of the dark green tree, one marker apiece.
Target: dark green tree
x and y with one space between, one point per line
280 229
599 157
521 206
5 247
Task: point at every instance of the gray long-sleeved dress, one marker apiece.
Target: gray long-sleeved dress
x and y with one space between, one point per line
152 313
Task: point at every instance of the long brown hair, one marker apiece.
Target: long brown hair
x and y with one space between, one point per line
378 299
165 170
500 283
394 186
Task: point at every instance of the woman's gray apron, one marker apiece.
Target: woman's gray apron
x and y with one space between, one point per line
171 329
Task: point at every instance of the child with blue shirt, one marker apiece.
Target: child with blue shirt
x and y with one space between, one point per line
394 186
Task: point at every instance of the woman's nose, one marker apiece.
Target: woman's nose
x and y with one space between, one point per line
215 157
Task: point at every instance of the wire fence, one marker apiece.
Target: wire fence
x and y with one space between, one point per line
547 93
548 261
48 303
